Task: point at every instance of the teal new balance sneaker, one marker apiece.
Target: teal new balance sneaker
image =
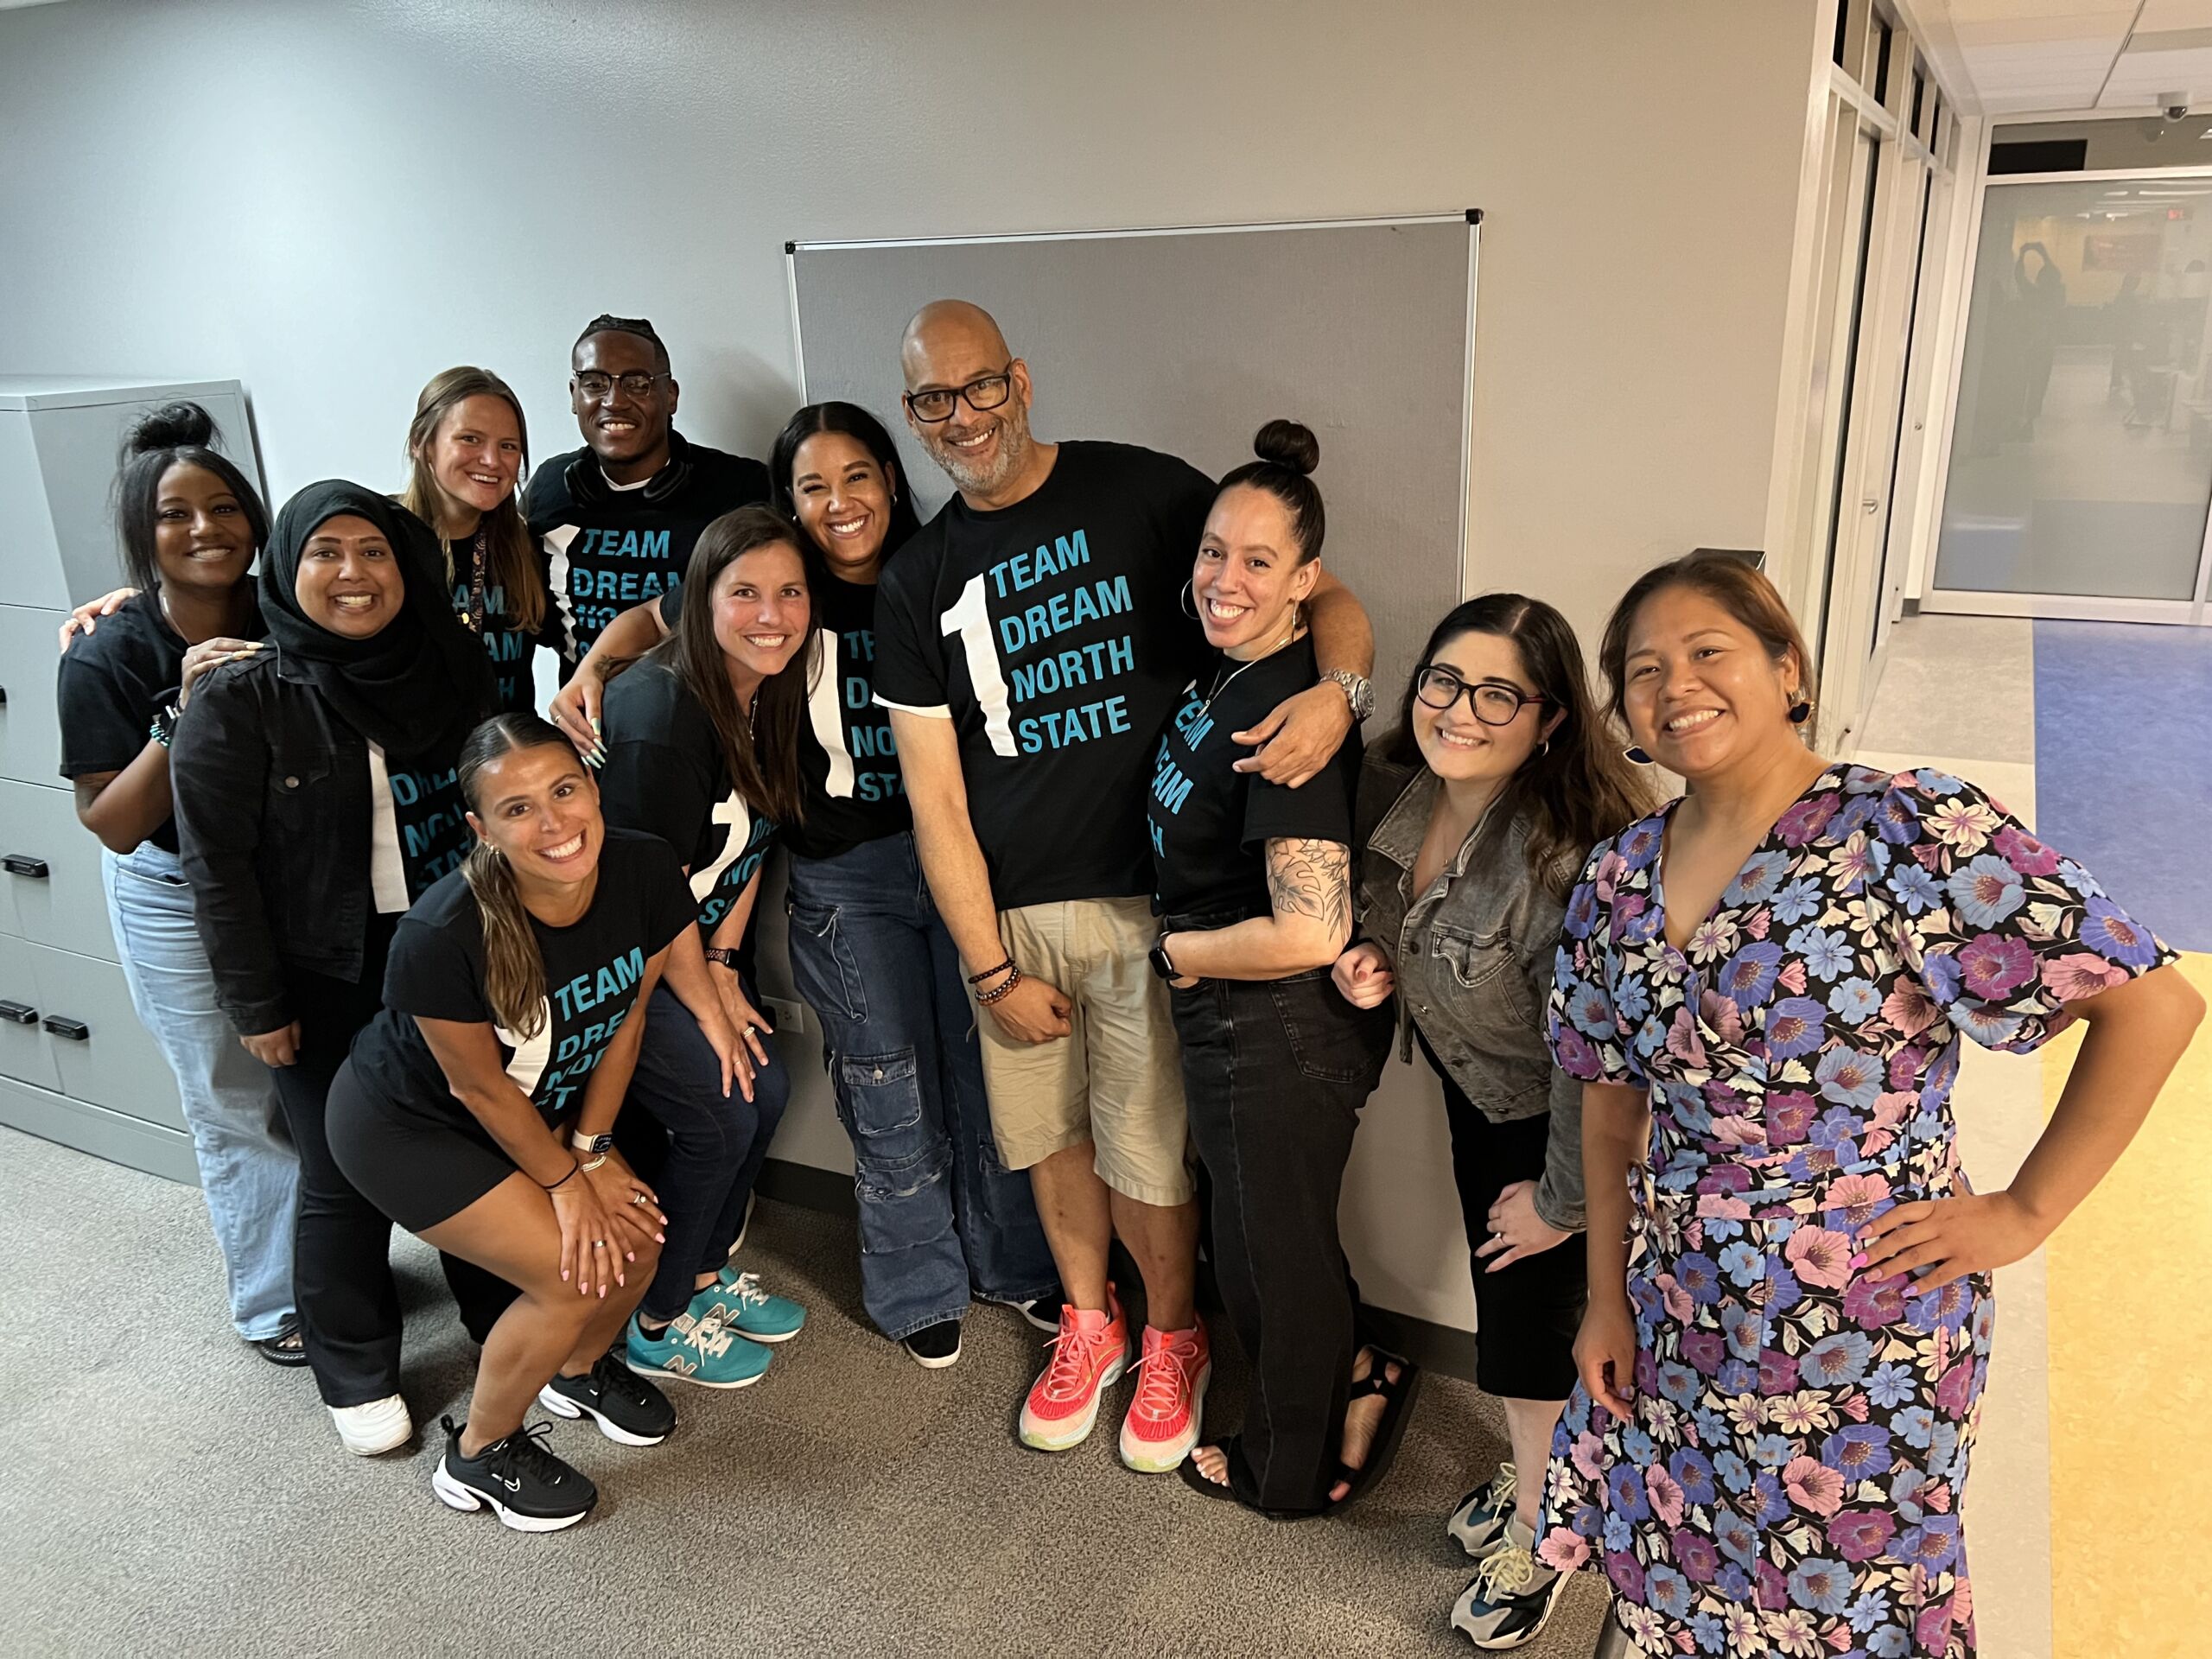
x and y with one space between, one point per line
692 1350
738 1301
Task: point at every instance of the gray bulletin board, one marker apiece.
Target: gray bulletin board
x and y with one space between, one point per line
1187 341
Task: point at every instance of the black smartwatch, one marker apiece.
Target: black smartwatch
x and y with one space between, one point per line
1160 964
592 1146
723 955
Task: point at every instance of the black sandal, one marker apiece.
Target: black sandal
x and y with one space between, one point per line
1227 1445
286 1348
1383 1449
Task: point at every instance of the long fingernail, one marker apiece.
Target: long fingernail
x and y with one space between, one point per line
594 724
1859 1260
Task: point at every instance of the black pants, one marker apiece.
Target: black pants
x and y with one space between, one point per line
341 1255
1275 1073
1525 1315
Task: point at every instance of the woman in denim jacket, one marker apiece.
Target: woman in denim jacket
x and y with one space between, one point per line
1473 818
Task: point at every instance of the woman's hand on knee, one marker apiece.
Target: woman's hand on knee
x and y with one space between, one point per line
591 1253
631 1207
1516 1231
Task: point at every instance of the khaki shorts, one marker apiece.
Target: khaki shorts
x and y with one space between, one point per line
1116 1079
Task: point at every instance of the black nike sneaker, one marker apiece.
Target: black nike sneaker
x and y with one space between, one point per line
528 1488
628 1409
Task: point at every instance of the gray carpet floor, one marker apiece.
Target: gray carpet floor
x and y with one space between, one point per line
165 1491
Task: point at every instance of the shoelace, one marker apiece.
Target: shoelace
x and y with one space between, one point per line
1504 1486
1069 1373
611 1376
1161 1377
747 1288
525 1452
1507 1571
709 1336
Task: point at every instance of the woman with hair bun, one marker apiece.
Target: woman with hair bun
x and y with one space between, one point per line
191 525
1253 888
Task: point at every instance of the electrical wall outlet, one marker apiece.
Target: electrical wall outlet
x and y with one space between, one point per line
789 1014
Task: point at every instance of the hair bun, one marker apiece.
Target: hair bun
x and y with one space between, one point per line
173 426
1286 443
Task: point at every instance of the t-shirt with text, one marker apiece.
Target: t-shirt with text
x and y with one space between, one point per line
111 683
1211 823
1051 632
606 550
505 641
592 968
665 775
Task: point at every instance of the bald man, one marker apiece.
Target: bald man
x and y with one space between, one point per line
1031 643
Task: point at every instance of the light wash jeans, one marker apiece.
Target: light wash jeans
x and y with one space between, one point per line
247 1168
940 1217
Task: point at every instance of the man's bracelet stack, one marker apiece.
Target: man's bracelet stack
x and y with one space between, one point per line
990 973
1012 978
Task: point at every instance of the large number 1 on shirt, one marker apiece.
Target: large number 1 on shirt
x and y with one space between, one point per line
972 622
731 812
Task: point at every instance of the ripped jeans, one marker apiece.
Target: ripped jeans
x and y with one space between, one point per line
940 1219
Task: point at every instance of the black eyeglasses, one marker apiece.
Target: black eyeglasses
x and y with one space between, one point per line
1494 705
636 384
936 404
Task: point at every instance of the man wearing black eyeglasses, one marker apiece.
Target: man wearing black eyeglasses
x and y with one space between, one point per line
1030 643
618 518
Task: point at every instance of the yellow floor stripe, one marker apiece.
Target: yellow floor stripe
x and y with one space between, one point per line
2131 1382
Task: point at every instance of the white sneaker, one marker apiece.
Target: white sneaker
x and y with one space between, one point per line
380 1426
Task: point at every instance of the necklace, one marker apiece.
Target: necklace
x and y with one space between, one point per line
1222 683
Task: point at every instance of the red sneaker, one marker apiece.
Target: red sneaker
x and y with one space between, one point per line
1171 1399
1088 1356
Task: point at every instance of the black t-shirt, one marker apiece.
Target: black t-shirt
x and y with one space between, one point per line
505 640
608 548
1211 823
665 775
1052 633
593 967
111 684
430 820
854 791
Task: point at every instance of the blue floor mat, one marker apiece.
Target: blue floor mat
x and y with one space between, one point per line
2124 765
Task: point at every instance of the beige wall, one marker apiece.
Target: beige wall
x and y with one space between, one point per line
331 203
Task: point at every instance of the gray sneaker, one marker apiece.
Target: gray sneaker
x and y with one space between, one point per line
1479 1522
1510 1600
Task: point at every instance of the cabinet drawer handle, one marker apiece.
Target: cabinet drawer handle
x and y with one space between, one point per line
18 1013
23 864
75 1030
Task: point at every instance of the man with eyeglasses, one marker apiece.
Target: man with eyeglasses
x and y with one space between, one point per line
1031 641
618 518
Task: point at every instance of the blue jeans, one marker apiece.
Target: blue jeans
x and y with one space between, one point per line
248 1172
709 1148
938 1213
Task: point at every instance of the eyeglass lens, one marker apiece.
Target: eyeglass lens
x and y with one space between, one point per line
1494 705
597 385
935 404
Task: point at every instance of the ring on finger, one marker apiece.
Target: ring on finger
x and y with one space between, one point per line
599 1244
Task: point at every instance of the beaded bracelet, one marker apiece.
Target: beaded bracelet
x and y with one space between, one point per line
986 998
990 973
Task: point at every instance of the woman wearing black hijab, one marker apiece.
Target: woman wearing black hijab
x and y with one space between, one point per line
315 800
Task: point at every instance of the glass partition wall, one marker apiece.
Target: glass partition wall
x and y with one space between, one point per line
2080 458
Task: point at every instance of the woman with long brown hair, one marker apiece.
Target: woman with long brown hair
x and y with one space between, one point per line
471 1108
467 450
1473 816
702 742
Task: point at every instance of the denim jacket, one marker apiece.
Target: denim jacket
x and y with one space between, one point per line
272 809
1473 957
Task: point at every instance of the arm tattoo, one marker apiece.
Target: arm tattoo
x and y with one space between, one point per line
1312 878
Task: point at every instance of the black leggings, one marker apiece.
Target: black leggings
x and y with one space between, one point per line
1525 1315
341 1255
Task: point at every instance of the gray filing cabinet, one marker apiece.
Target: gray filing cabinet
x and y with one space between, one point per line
75 1065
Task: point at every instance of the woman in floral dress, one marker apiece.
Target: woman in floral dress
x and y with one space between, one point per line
1763 986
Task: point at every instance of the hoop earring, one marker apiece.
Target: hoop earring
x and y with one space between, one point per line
1187 602
1635 755
1801 711
1543 747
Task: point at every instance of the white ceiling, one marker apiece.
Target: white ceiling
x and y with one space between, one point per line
2008 57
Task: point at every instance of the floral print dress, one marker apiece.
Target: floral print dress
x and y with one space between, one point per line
1791 1483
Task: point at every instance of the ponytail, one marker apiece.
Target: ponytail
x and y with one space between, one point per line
514 972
